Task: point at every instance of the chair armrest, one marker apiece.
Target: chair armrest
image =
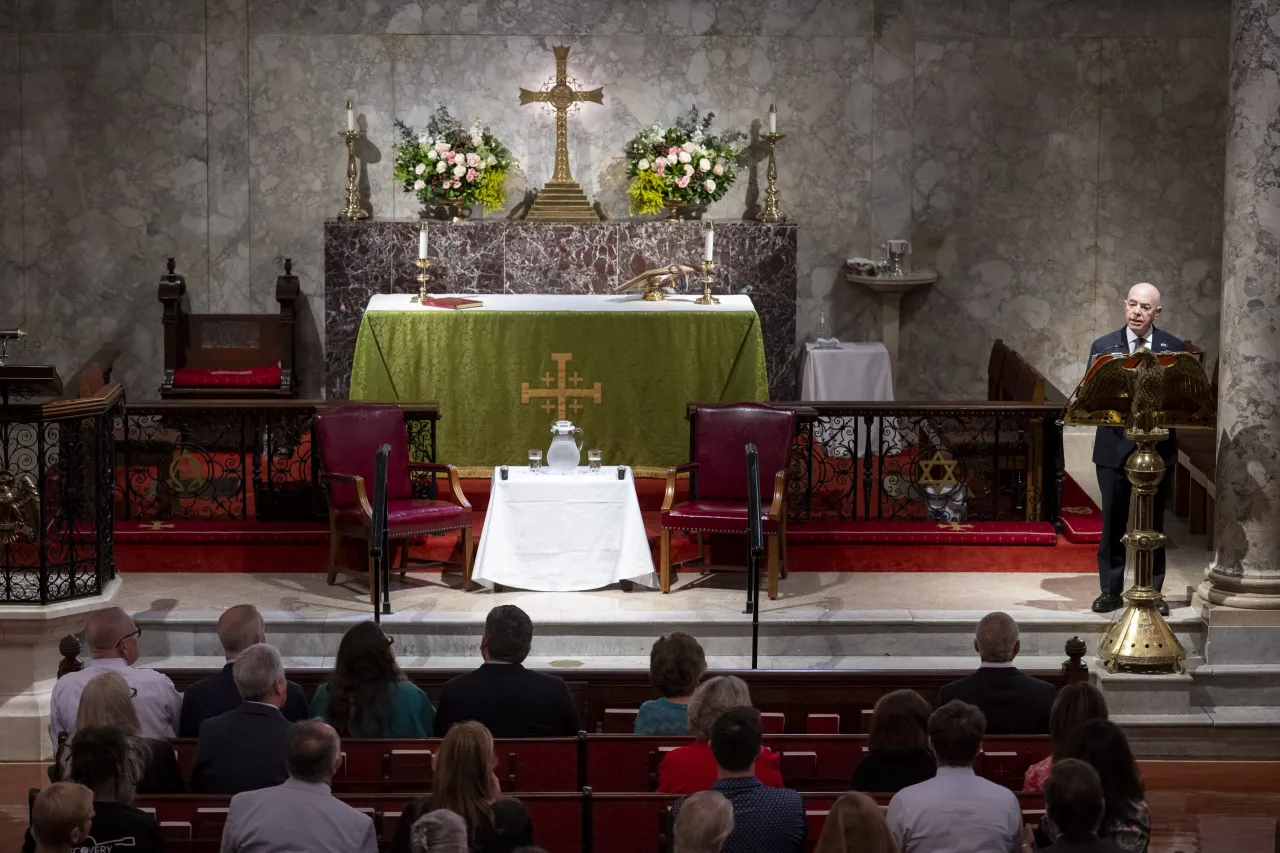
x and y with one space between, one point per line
673 473
779 495
455 482
362 497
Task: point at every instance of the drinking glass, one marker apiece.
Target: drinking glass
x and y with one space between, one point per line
535 460
593 460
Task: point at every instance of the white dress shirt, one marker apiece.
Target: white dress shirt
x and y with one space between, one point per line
956 812
1132 339
158 702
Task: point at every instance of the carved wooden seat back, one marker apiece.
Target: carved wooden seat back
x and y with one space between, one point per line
229 356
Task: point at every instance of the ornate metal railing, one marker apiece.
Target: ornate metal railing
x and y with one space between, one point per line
195 460
55 499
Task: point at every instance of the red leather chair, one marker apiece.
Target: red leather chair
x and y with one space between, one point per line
720 434
349 438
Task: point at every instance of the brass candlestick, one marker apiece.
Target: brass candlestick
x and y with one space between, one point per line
707 280
771 212
353 210
423 295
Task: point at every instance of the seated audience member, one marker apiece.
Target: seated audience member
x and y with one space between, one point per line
239 628
246 749
676 665
109 762
509 700
112 638
368 695
1074 804
302 813
440 831
898 746
1013 703
1075 705
956 811
692 768
704 823
767 820
464 782
1125 818
855 824
107 700
62 817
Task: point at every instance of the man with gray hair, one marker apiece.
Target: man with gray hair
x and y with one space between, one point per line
244 749
1013 703
301 813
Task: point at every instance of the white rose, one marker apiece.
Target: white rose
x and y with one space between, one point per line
491 160
419 184
685 157
643 165
718 169
710 185
688 168
459 170
689 146
433 155
704 165
443 147
478 166
420 168
477 141
441 166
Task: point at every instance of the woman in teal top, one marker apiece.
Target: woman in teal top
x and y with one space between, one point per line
676 665
368 695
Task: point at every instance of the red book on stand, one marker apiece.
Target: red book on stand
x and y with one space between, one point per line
456 302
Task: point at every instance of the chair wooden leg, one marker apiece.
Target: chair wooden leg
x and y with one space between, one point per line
782 542
773 567
335 547
404 557
664 562
468 542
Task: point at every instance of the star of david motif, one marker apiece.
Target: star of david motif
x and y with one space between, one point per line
955 526
927 476
559 397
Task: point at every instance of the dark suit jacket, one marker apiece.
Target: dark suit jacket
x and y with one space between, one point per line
510 700
1110 447
217 694
241 750
1013 703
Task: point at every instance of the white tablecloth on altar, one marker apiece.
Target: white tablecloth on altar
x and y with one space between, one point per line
565 302
563 532
857 371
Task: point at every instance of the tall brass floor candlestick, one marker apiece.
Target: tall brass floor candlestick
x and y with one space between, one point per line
707 280
353 210
771 212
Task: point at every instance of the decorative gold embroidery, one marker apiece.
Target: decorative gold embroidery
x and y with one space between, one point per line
557 397
1078 510
954 526
155 525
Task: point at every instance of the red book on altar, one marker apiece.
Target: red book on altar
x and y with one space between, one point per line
456 302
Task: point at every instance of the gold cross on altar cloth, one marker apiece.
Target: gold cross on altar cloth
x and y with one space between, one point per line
561 96
557 397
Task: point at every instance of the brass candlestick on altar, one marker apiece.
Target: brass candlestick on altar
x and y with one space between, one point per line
353 210
771 212
707 280
1147 395
422 295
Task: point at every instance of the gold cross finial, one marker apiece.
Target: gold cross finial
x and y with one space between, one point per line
562 393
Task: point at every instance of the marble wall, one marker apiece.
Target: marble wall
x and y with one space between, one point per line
1041 154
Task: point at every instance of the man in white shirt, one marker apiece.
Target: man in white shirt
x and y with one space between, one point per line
956 811
112 638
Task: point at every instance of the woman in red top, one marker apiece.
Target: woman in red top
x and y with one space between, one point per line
692 768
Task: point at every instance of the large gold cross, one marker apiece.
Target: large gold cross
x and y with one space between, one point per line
561 96
562 392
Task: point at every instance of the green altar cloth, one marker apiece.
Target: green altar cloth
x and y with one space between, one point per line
622 372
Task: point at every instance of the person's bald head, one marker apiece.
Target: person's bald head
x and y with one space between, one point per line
110 633
239 628
1141 307
997 638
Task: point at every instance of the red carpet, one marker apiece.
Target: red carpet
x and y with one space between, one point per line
1081 517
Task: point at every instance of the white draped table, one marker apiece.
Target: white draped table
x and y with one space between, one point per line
563 532
851 372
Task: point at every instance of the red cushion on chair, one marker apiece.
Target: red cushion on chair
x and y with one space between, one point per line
714 516
266 376
720 435
406 518
350 437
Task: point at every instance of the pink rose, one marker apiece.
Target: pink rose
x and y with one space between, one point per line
472 159
471 173
660 168
674 153
683 182
718 169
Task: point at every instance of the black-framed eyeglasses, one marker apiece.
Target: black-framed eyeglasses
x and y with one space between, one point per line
136 632
133 692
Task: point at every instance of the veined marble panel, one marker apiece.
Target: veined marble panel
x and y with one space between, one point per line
959 18
101 218
1119 18
231 289
13 306
63 16
9 16
1164 107
1006 148
158 16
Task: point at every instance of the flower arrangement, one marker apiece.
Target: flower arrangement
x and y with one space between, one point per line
449 162
681 164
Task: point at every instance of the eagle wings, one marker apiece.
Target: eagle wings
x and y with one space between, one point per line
1144 391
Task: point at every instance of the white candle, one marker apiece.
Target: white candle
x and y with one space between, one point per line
422 241
351 117
708 245
773 119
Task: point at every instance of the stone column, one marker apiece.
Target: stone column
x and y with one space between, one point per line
1246 570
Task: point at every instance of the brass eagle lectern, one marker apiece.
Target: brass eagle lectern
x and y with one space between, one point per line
1147 395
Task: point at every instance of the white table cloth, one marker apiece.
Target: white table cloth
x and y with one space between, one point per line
563 532
858 371
565 302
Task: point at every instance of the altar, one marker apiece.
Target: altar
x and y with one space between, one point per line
621 368
476 257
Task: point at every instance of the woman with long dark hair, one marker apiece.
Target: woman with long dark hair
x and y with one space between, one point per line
1075 705
368 695
1126 821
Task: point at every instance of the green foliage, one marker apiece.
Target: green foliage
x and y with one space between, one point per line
492 191
447 160
646 194
682 162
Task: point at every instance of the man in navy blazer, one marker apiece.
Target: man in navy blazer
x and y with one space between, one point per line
1111 449
239 628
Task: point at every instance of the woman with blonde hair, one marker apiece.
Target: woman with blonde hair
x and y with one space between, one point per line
464 781
107 700
692 768
855 824
704 823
